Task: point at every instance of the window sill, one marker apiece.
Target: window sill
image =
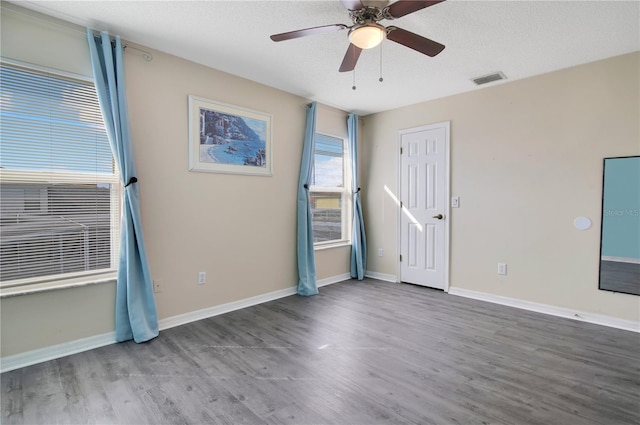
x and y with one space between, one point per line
322 247
35 288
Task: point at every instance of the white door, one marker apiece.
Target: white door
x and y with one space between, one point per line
424 192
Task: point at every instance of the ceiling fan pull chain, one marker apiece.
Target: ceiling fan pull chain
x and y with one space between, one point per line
380 79
354 79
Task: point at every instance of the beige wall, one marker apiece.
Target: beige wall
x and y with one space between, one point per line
49 318
239 229
526 160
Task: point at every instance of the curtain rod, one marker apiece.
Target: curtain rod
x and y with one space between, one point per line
145 55
51 20
331 109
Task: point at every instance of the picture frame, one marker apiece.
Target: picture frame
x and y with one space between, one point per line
230 139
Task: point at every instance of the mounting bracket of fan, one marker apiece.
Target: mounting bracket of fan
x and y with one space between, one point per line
366 14
370 13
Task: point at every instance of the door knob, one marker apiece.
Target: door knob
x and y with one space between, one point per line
439 216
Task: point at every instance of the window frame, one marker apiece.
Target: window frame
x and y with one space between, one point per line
346 196
40 177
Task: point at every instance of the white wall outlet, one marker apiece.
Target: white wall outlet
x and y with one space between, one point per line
156 286
455 202
202 278
379 252
502 268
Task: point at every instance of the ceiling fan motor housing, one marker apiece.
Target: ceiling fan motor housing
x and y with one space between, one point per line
366 14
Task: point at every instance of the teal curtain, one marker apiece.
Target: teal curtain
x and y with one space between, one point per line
358 237
136 315
306 259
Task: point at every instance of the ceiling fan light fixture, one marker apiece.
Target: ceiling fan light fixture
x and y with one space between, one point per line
367 36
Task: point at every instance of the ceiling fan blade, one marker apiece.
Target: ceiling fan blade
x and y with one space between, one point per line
352 4
414 41
351 58
308 31
404 7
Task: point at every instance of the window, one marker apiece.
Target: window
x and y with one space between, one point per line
59 187
330 204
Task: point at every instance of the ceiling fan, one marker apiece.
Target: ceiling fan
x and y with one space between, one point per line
366 32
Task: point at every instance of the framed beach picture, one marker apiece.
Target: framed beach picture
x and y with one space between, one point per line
228 139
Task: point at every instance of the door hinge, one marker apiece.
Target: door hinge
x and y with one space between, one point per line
400 150
401 258
401 204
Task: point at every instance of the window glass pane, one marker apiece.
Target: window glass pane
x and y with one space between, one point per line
328 162
51 123
327 216
60 192
54 229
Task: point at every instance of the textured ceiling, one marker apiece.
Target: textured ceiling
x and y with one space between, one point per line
519 38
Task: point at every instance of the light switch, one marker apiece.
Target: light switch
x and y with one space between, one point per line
455 202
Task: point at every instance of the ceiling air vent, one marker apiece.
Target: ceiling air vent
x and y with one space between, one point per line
489 78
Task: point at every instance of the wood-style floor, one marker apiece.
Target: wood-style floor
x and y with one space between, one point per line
367 352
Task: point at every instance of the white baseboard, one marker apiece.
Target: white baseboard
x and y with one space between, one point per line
598 319
382 276
193 316
333 279
40 355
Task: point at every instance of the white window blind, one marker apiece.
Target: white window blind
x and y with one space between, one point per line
329 200
59 187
